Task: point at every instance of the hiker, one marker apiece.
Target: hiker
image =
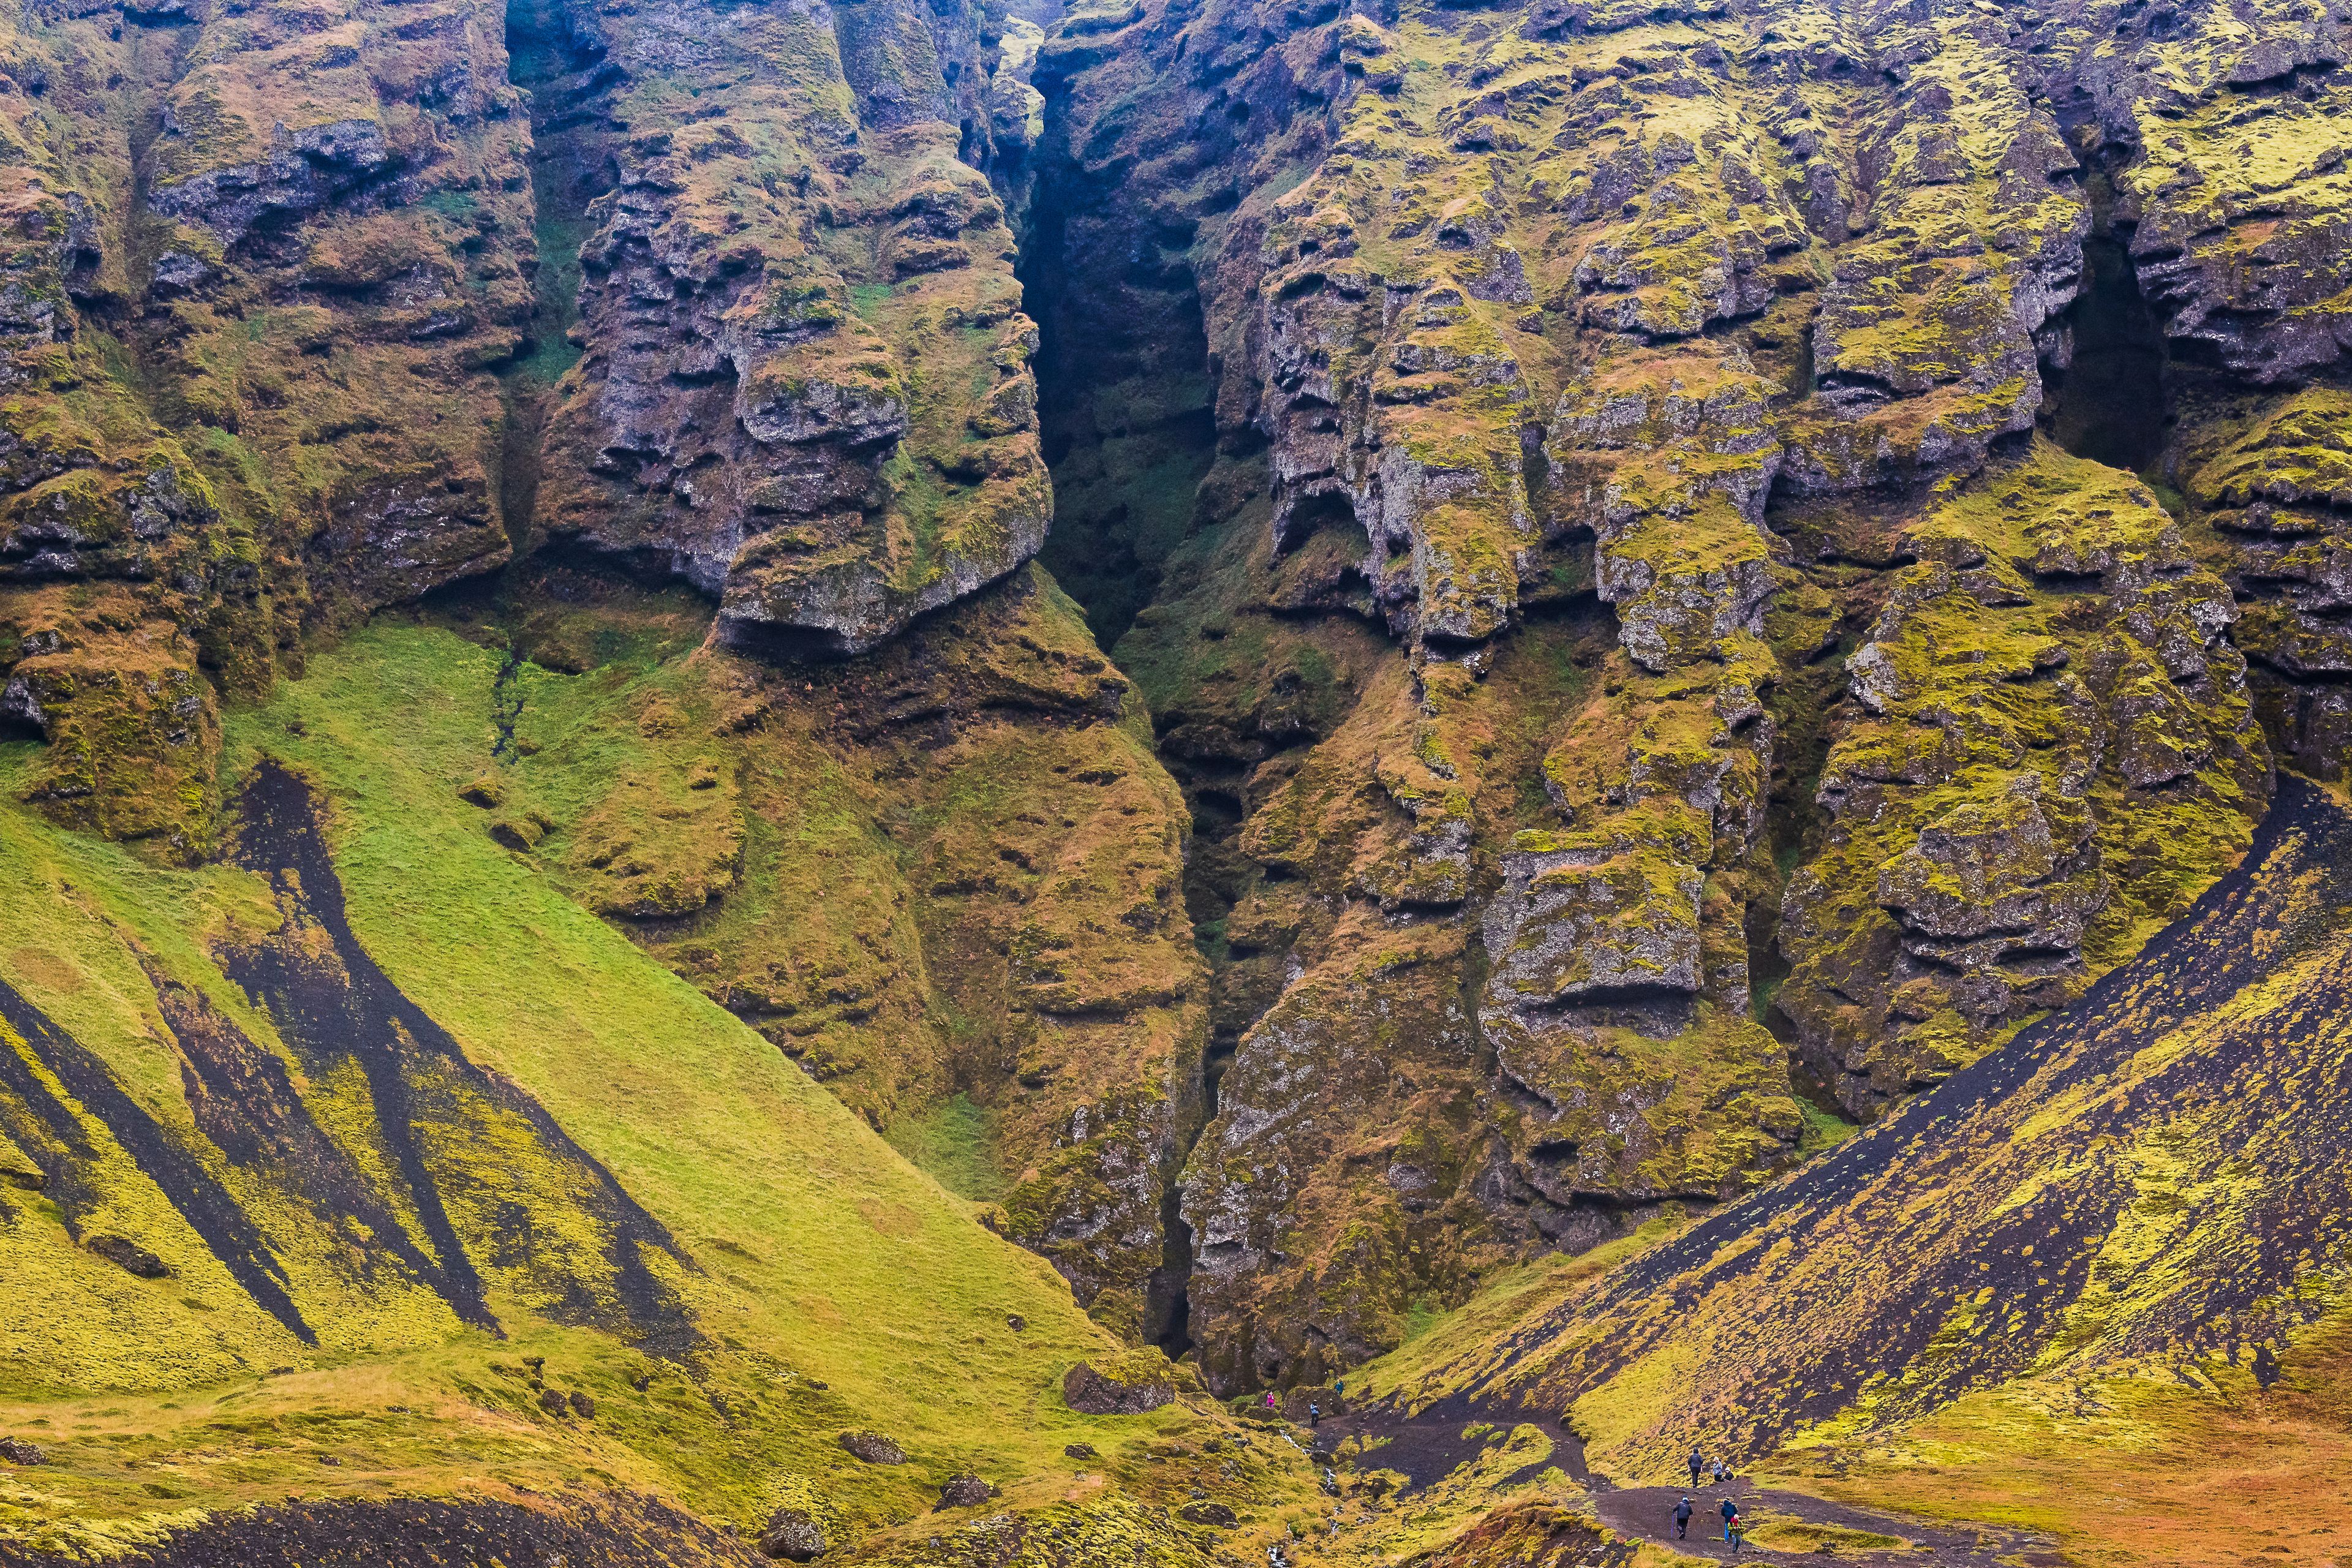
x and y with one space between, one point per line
1731 1524
1722 1472
1682 1519
1313 1416
1698 1463
1339 1389
1269 1404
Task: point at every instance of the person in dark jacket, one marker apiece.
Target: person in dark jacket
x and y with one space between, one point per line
1698 1463
1730 1520
1682 1519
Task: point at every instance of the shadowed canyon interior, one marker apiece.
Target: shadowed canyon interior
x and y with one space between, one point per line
841 781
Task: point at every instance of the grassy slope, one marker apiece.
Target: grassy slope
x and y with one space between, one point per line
2126 1450
2131 1471
824 1259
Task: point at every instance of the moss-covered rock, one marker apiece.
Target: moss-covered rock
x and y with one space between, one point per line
805 386
1616 531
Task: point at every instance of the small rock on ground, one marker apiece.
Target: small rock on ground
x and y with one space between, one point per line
128 1256
873 1447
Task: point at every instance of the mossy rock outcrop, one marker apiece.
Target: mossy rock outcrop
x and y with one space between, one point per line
1119 1385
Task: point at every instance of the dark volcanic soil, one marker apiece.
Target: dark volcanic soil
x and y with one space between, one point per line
614 1531
1430 1445
1646 1513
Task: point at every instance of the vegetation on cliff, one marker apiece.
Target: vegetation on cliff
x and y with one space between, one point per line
1647 614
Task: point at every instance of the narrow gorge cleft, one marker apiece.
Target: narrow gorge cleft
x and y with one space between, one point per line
1734 608
549 62
2113 403
660 662
776 397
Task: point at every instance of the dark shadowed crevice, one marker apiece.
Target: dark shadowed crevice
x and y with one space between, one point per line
1168 1302
1123 389
2109 405
1128 429
560 71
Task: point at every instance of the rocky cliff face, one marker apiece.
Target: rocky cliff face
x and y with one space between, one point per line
1655 565
1659 572
804 385
260 262
2098 1210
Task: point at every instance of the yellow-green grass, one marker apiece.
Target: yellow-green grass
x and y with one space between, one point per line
1784 1534
2198 1470
837 1286
1461 1347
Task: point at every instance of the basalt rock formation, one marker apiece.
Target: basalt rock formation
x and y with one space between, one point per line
1723 540
1311 649
258 263
2098 1210
311 315
804 384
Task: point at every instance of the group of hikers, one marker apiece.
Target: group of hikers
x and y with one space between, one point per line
1314 1407
1720 1473
1700 1467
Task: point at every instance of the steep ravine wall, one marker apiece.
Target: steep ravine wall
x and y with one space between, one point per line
950 886
312 315
1780 520
1618 611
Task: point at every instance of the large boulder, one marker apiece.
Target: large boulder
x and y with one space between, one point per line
873 1447
1125 1385
965 1491
793 1535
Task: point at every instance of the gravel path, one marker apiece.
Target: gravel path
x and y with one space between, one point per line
1425 1447
1646 1513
